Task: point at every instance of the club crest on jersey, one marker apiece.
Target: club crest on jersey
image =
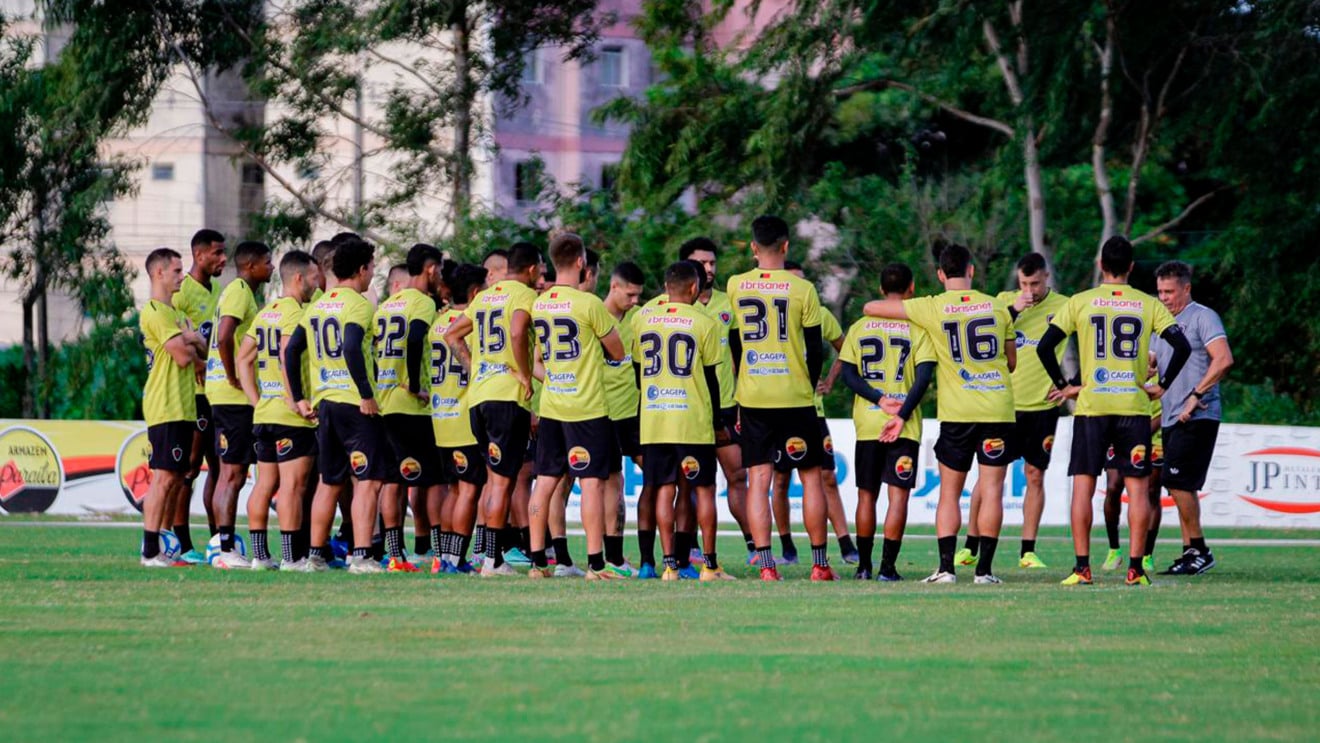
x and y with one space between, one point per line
1138 455
493 453
725 318
795 448
904 468
1048 444
358 461
460 462
283 447
579 458
829 444
993 448
410 469
224 444
691 467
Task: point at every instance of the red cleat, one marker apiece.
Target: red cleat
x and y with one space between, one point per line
770 574
824 573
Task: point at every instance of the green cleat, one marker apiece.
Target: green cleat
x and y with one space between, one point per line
1113 560
964 556
1031 560
1148 564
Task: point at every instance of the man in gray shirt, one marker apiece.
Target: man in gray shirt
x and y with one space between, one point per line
1191 409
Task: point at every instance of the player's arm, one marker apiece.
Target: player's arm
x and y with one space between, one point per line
459 329
1010 353
413 353
890 308
291 369
356 361
519 326
181 351
815 353
852 379
713 385
1054 335
735 347
1182 350
613 345
836 369
247 378
921 378
225 344
1221 360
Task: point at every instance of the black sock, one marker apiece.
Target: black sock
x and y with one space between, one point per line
539 560
562 557
711 561
394 542
751 543
150 544
596 561
463 542
440 541
493 551
764 559
786 546
479 540
286 545
865 546
325 552
422 542
973 544
614 550
1198 544
361 553
1083 563
184 533
1028 545
508 538
646 546
1111 531
1151 535
846 544
377 548
682 549
819 557
1134 563
260 546
889 555
947 546
525 539
226 538
671 563
302 544
985 566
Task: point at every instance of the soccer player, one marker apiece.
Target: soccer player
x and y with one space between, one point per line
1191 419
173 352
500 387
285 440
973 338
776 324
574 336
621 397
335 332
231 412
681 411
197 299
895 359
403 322
1114 323
1032 306
459 452
496 264
1113 508
590 273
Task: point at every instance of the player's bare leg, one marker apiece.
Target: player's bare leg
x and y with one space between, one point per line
838 516
1033 505
199 455
366 498
665 496
646 525
759 478
948 520
419 505
465 498
593 522
895 524
294 477
990 517
735 476
616 515
1156 515
231 481
258 513
865 522
436 507
815 518
1113 511
971 549
497 515
685 530
153 514
1138 489
779 506
538 512
517 537
392 498
324 504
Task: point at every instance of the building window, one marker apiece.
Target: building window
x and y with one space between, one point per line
162 171
609 177
527 180
253 175
613 67
531 72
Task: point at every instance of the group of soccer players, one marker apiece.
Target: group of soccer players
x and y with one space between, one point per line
477 395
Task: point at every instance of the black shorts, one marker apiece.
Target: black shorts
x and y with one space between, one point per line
730 416
1033 436
234 440
789 438
991 444
576 448
502 429
350 443
827 444
878 463
204 426
1188 449
463 464
1095 436
666 464
279 443
412 441
628 436
170 445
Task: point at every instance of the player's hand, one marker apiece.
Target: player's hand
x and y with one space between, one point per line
536 424
525 382
1057 396
1023 301
891 405
893 427
1189 409
1154 391
823 387
234 383
304 409
423 395
369 407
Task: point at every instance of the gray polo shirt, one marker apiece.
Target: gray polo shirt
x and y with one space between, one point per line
1200 325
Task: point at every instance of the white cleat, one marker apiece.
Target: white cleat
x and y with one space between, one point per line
231 561
986 580
364 566
259 564
298 566
488 569
941 577
159 561
317 564
569 571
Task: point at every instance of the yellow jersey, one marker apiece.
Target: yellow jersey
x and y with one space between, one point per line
273 326
620 381
569 325
324 323
886 354
1114 324
491 313
168 395
448 386
198 303
236 301
1031 384
830 331
770 310
970 331
674 344
393 318
720 310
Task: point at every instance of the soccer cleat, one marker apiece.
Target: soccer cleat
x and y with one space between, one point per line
489 570
193 557
231 561
862 574
296 566
628 566
696 557
420 560
1031 560
399 565
940 576
604 573
646 572
1113 560
337 564
259 564
161 561
890 577
751 559
569 571
438 565
317 564
550 555
1077 577
1148 564
852 558
714 574
770 574
964 556
1192 562
670 574
536 573
986 580
515 556
786 560
364 566
824 573
689 573
1136 579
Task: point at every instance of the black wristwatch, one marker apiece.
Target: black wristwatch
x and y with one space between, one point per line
1197 394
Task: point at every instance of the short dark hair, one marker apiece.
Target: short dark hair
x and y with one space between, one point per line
792 266
565 249
703 280
421 254
683 272
1031 264
522 256
159 256
323 253
769 231
344 237
1116 256
397 268
1175 270
686 250
351 256
249 251
629 273
954 260
895 278
293 263
204 238
462 279
593 260
495 253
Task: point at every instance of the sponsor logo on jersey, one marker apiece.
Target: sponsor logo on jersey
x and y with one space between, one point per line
993 448
410 469
578 458
1118 304
32 475
968 309
775 287
904 468
691 467
985 376
1138 455
1048 444
358 461
493 453
283 447
1019 338
795 448
553 307
1105 376
460 461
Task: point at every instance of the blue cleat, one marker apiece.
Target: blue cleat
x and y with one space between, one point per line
787 560
515 556
689 573
646 572
337 564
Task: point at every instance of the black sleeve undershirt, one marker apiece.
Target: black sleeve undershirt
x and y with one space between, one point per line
417 332
354 334
292 361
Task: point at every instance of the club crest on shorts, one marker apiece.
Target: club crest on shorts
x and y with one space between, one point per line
829 444
1109 454
177 453
1157 455
203 424
903 468
460 461
1048 444
579 458
224 444
283 447
993 448
410 469
691 467
1138 455
358 461
795 448
493 453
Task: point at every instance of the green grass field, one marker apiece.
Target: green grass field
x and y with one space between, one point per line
94 647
